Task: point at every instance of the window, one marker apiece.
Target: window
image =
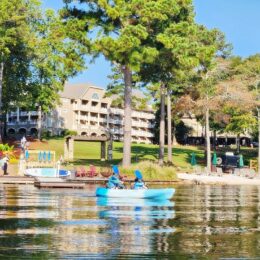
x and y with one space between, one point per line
95 96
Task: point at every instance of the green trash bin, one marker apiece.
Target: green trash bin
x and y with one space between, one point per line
193 161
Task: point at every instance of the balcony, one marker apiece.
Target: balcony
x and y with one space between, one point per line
143 115
95 119
117 111
24 113
94 109
12 123
33 113
103 110
84 107
142 133
117 131
12 114
102 119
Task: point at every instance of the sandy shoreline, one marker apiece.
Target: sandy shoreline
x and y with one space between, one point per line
227 179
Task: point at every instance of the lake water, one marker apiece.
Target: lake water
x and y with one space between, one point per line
201 222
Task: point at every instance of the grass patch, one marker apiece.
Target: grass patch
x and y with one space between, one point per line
143 156
151 171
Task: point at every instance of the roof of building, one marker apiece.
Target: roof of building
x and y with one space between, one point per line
76 90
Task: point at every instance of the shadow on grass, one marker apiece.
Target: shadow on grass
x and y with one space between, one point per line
139 152
95 162
184 153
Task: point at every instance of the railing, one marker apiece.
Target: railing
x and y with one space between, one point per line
24 113
94 118
117 111
142 133
104 110
94 109
102 119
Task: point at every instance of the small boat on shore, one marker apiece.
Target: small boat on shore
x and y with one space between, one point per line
46 172
159 194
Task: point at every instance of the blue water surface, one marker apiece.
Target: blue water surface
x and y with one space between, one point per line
201 222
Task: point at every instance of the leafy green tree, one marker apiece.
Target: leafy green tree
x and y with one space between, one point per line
245 76
58 55
212 71
15 31
185 48
123 36
38 54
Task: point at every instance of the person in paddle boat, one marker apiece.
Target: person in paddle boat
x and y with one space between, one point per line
114 182
139 183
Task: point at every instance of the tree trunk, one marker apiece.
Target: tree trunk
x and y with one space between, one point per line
39 123
208 140
214 139
174 141
4 125
238 143
127 113
1 99
258 118
169 123
162 125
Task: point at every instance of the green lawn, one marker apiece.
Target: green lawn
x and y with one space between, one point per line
89 152
86 153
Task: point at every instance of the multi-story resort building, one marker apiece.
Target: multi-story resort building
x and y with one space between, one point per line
84 109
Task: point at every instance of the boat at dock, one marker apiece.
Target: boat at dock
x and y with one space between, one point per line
47 172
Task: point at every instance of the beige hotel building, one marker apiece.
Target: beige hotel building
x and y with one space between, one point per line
84 109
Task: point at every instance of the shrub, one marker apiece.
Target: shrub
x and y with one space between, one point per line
46 134
66 132
151 171
8 150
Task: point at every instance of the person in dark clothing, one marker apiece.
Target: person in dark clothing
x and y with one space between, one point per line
5 161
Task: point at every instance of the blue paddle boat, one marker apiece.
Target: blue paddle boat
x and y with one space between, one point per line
160 194
139 190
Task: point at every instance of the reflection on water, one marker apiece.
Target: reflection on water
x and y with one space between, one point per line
201 222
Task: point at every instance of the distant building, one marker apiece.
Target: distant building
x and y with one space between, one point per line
84 109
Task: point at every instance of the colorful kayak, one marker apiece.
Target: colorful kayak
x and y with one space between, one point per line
46 172
160 194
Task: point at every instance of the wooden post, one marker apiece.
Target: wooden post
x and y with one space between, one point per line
66 150
110 148
71 149
103 151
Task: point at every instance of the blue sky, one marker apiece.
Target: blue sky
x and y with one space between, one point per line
238 19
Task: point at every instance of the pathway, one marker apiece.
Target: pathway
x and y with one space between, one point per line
225 179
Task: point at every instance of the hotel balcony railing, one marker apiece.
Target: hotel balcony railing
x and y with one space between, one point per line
117 131
24 113
117 111
142 133
90 127
116 122
143 115
94 109
83 107
92 118
103 110
32 122
140 124
102 119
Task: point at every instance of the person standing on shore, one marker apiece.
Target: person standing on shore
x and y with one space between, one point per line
23 143
5 162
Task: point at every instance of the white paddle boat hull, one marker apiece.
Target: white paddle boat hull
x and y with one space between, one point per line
46 172
160 194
